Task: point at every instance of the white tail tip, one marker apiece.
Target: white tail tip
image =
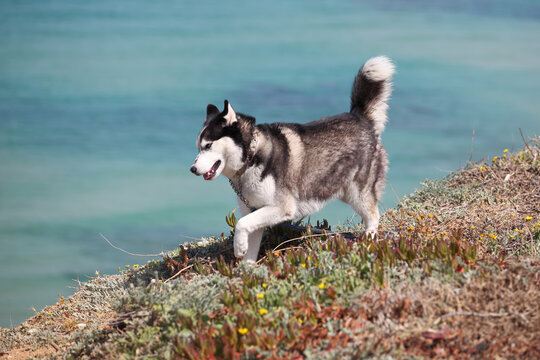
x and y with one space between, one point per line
379 68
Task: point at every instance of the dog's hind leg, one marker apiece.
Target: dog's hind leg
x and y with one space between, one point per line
254 239
364 191
370 214
365 204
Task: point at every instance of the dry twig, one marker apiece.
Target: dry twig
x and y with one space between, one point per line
127 252
178 273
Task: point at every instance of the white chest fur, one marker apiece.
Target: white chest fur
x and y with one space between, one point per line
258 192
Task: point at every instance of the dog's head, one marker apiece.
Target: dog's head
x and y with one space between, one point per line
222 143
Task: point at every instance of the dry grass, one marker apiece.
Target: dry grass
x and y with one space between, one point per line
496 203
55 327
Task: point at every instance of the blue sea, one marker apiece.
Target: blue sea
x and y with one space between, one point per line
101 101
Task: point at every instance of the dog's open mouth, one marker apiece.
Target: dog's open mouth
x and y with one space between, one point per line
209 175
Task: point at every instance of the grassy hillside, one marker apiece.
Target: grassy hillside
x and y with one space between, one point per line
453 273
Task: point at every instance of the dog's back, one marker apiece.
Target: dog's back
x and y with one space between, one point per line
325 158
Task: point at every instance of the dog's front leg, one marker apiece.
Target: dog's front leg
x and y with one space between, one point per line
252 223
254 239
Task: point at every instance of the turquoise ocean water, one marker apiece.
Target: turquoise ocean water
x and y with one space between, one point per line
100 103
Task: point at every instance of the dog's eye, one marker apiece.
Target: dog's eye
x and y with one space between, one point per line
207 146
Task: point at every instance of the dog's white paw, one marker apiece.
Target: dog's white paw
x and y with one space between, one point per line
240 243
371 233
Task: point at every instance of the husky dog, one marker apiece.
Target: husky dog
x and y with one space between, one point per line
283 171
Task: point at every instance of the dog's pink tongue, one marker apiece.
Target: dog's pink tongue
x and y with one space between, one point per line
207 175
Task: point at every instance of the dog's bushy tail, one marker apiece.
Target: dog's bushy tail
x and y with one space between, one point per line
371 91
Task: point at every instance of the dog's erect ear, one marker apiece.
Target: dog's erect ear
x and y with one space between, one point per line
211 111
228 114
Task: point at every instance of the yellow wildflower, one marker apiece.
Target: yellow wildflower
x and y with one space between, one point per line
127 266
299 321
495 158
242 331
321 286
264 285
505 150
512 214
260 296
263 311
473 227
528 218
303 265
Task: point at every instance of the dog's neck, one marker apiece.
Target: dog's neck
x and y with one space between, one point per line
234 174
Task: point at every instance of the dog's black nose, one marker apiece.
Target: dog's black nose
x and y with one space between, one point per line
193 169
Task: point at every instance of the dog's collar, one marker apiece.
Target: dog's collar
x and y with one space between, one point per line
237 186
241 171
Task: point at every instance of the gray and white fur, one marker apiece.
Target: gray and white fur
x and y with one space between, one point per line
284 171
